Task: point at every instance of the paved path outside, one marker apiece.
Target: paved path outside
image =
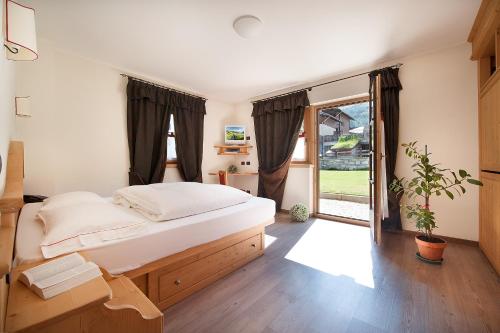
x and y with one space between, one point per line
348 209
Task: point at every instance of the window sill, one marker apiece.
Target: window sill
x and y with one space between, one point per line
301 165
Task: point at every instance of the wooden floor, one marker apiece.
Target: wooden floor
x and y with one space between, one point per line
323 276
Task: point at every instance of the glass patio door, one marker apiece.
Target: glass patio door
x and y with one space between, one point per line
343 144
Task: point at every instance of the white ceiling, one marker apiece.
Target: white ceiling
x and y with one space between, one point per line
191 43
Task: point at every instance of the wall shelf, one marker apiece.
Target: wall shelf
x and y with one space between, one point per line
233 150
236 174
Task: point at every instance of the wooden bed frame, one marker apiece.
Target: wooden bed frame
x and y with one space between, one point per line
164 282
173 278
10 204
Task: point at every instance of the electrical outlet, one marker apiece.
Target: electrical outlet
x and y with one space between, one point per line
248 138
242 162
248 162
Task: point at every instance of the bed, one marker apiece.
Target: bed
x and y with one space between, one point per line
169 260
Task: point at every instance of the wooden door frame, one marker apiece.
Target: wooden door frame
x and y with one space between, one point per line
376 220
314 148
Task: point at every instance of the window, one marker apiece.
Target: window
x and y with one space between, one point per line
302 149
171 153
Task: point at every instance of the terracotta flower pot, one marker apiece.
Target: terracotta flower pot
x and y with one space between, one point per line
431 250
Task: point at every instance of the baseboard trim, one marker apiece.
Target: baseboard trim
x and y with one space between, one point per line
342 219
411 233
447 238
333 218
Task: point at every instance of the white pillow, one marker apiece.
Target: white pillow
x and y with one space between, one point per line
169 201
72 227
70 198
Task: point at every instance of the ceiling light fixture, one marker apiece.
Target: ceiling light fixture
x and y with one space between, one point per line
247 26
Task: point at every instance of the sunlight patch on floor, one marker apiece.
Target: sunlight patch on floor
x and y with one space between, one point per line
337 249
268 240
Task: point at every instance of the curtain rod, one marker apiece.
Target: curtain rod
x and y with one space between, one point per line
160 86
325 83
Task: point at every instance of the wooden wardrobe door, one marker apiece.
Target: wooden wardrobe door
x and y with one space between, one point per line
489 128
489 228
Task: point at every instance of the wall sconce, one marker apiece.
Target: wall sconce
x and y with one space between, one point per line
23 106
20 32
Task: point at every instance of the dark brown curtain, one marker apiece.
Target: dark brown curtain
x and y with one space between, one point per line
277 123
390 87
147 127
189 114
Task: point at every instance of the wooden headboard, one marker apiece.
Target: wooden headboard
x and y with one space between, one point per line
11 203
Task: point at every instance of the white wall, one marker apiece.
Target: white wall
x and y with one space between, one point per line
76 138
7 109
439 107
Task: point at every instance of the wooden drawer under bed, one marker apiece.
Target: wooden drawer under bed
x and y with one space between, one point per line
171 279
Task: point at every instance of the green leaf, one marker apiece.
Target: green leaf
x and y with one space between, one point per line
418 190
462 173
463 189
449 194
474 182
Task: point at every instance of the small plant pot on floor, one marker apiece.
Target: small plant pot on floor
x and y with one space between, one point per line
431 249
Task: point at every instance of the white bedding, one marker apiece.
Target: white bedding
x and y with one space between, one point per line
72 227
158 239
169 201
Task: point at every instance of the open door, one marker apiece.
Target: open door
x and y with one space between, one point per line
375 162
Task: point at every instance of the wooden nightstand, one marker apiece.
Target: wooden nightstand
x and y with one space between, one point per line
27 311
116 305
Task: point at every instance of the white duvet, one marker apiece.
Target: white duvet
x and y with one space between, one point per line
168 201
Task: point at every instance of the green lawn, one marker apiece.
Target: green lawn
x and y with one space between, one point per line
344 182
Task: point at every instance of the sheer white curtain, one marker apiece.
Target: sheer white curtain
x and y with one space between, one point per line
384 201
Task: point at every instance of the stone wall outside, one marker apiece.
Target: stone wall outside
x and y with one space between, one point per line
344 163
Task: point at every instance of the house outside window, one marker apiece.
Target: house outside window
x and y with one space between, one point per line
171 152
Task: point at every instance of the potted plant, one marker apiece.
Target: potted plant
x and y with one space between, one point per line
429 180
